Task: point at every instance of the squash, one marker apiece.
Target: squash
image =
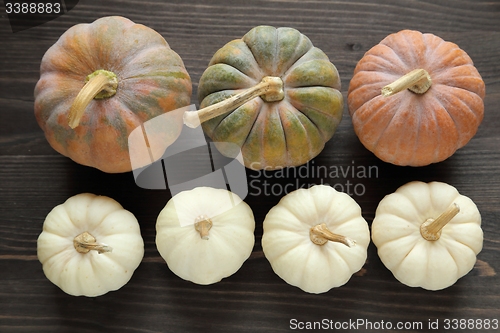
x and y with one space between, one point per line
90 245
273 94
316 238
205 234
102 80
427 234
415 99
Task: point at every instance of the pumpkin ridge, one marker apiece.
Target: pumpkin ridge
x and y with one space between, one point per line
110 263
445 55
427 263
295 56
253 51
439 76
167 74
461 89
285 77
411 225
384 62
418 112
405 103
60 131
282 130
310 107
402 66
453 255
127 108
258 77
373 114
236 90
291 211
299 62
155 99
440 102
69 74
64 47
294 111
128 30
378 85
274 110
416 144
415 61
403 258
259 133
430 39
173 247
212 129
289 227
447 238
52 226
151 46
311 149
64 256
251 127
340 254
228 242
436 68
304 277
251 130
287 251
276 52
103 223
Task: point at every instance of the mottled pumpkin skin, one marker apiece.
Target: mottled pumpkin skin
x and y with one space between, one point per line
152 80
407 128
273 135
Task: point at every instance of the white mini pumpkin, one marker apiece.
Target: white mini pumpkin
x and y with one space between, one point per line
427 234
90 245
316 238
205 234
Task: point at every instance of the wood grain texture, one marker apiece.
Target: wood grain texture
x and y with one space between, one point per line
34 178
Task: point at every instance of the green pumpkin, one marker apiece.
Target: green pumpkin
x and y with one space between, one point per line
273 134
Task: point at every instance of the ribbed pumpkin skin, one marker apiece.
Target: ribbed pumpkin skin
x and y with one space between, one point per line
407 128
273 135
152 80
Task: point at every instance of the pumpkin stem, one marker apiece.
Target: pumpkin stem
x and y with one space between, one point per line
320 235
431 229
85 242
203 224
270 89
417 81
99 85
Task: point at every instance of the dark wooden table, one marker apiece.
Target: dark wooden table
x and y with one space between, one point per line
34 179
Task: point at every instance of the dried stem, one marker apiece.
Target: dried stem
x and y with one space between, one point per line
100 84
431 229
85 242
270 89
320 235
417 81
203 224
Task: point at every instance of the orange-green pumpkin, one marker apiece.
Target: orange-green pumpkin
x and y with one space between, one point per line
436 111
276 132
139 76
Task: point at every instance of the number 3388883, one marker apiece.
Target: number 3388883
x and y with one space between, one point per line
32 8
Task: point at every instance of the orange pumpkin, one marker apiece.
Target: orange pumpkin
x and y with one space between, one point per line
102 80
415 99
282 95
